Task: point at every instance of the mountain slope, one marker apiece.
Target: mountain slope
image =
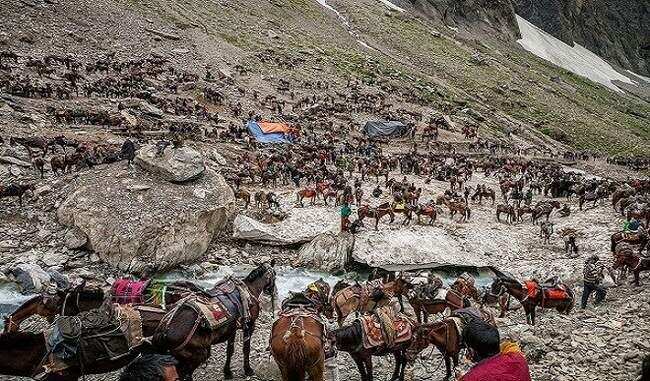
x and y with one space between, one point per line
466 71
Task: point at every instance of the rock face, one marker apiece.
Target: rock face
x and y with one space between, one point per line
329 252
475 15
302 225
158 228
177 165
616 30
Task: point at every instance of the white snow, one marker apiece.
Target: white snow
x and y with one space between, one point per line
392 6
576 59
346 23
646 79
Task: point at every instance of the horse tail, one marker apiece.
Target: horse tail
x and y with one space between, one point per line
614 243
295 353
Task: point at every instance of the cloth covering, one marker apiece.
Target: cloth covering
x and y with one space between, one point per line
385 129
127 291
272 137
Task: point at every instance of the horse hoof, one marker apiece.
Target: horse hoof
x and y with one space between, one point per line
249 372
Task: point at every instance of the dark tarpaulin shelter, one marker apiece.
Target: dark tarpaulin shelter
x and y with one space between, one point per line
385 129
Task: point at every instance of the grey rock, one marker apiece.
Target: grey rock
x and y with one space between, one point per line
75 239
328 252
175 165
161 228
14 161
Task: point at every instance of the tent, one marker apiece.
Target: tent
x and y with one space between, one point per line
385 129
266 132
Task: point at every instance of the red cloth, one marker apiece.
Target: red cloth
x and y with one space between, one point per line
556 294
502 367
126 291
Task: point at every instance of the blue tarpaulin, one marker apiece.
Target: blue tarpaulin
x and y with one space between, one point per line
260 136
385 129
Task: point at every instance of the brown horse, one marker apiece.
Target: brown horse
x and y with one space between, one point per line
425 307
350 339
298 336
366 297
530 303
639 238
306 193
188 334
22 354
65 303
509 211
406 210
523 210
244 196
458 207
480 193
626 260
443 335
376 213
428 211
544 209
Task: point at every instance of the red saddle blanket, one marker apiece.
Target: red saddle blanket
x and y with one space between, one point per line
550 293
375 333
126 291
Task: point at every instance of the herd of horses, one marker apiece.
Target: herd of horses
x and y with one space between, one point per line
299 338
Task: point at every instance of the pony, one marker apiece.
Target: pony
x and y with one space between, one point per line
424 307
444 336
306 193
22 354
639 238
480 193
509 211
350 339
520 292
427 210
376 213
184 331
625 260
298 336
244 196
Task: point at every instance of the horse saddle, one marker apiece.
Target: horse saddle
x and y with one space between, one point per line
229 294
385 328
105 333
298 301
427 209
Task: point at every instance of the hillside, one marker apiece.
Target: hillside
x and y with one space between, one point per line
441 68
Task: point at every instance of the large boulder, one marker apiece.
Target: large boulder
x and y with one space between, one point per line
329 252
301 226
159 227
177 165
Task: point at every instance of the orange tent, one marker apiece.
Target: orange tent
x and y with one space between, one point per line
270 127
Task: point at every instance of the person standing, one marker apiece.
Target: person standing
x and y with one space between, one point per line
593 276
346 212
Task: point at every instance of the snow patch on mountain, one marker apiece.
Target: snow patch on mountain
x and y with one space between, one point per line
576 59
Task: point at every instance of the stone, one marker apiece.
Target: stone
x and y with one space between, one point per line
14 161
42 190
328 252
216 156
138 187
14 170
159 229
177 165
75 239
31 277
301 225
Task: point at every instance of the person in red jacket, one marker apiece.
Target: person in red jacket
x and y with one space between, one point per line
494 361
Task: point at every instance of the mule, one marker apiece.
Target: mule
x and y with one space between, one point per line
508 210
297 340
444 336
428 211
377 213
244 196
23 354
423 308
350 339
306 193
187 334
530 303
626 260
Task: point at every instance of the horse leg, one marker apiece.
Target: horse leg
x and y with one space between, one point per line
447 367
368 361
360 365
248 334
398 364
230 349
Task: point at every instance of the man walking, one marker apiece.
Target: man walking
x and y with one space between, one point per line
593 276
